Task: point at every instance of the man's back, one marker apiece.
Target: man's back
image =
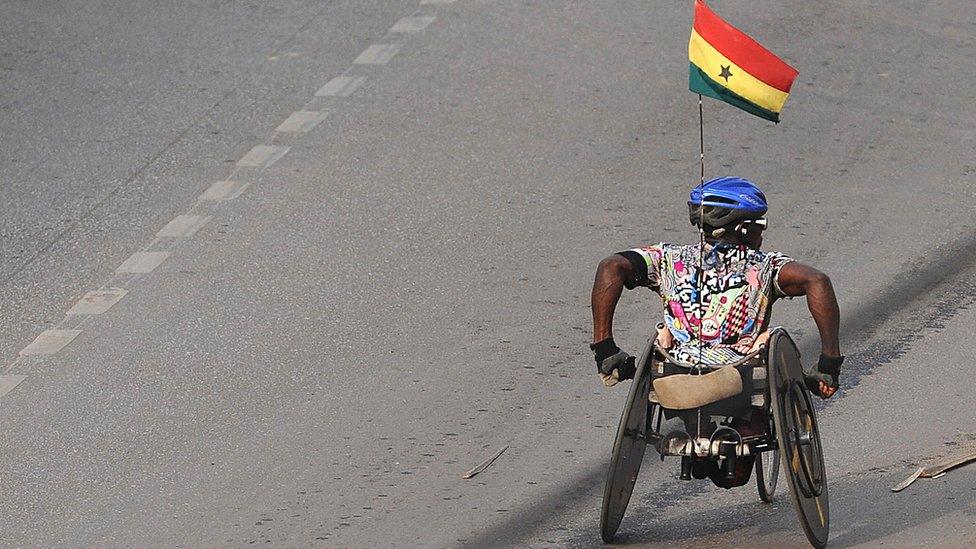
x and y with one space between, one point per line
738 287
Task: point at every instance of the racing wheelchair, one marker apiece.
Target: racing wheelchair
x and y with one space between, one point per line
769 382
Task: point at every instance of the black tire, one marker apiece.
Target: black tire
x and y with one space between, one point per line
767 463
628 448
767 473
798 435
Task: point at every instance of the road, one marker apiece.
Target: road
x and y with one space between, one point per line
398 288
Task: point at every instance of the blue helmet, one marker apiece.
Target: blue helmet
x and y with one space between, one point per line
727 200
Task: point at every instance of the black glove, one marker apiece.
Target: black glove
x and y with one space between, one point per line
828 371
612 364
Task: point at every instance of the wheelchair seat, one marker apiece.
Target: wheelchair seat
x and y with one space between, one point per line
720 389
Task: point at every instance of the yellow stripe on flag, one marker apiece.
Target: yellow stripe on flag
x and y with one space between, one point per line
743 84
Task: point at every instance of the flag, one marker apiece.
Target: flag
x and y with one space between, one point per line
730 66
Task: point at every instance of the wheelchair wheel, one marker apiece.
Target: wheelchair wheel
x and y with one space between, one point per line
767 473
767 463
798 436
628 448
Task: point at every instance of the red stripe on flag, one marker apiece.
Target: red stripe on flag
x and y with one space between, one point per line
742 50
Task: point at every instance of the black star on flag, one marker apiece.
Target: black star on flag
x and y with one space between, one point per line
726 73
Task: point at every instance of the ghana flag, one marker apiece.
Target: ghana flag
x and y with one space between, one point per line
728 65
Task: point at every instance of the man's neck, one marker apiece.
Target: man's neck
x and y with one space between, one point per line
724 240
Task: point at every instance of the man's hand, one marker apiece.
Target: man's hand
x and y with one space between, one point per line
616 368
825 380
612 364
826 391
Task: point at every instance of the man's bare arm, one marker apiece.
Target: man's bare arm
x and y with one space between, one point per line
796 279
607 287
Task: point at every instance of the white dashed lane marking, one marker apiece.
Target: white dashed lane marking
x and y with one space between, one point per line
262 156
50 342
100 301
341 86
377 54
225 190
302 121
8 383
183 226
97 302
412 24
142 262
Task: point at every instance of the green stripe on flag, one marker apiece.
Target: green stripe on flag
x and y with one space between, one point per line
699 82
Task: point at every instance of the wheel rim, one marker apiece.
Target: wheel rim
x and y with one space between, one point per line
628 450
799 439
767 474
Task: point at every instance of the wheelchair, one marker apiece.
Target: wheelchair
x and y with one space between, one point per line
708 401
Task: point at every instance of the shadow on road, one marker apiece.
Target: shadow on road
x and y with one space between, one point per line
863 509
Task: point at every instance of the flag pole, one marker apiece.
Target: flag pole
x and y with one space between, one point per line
701 141
701 250
701 229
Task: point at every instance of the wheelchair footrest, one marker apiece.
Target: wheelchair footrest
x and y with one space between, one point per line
680 443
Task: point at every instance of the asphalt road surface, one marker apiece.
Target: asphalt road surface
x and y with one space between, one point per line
342 252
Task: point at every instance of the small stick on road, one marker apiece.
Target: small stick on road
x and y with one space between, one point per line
484 464
934 471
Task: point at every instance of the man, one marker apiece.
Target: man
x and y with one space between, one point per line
718 313
739 284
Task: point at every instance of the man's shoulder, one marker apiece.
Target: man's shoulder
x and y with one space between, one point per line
773 258
660 250
665 247
769 253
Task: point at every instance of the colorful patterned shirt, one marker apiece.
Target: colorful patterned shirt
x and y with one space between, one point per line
739 287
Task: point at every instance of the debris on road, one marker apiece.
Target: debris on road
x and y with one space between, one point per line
935 471
484 464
